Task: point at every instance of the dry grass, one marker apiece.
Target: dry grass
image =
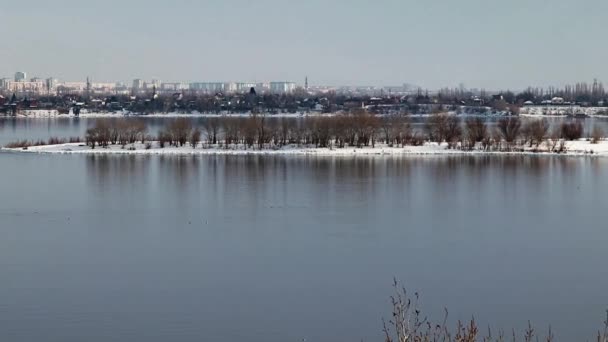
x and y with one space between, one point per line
408 324
40 142
25 143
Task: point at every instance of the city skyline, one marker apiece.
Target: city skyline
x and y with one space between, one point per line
481 44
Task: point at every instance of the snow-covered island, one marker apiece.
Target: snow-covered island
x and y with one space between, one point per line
357 134
571 148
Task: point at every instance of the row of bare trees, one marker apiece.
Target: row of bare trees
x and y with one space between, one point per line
357 129
509 133
121 132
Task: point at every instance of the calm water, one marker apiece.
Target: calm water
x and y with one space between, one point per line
125 248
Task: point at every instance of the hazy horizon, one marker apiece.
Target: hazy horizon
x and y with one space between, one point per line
431 44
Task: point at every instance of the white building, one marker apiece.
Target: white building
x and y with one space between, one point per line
244 87
25 87
152 84
4 83
230 87
176 86
51 83
138 84
208 87
20 76
282 87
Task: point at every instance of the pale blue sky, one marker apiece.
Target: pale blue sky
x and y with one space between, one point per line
481 43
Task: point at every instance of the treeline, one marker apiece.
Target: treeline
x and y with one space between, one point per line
356 129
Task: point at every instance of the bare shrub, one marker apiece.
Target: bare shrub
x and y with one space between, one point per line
212 127
407 323
553 140
56 141
195 137
476 131
163 139
179 131
100 134
19 144
536 132
572 130
453 131
417 139
437 126
597 134
509 129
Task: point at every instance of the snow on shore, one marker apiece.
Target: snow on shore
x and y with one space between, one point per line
562 111
41 113
574 148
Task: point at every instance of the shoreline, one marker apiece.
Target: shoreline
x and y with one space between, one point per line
574 149
53 114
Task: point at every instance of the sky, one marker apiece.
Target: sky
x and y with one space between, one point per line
507 44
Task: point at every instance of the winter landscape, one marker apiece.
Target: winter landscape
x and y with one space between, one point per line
303 171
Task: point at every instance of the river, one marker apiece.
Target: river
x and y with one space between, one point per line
251 248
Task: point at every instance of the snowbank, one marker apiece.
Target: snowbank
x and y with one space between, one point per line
574 148
561 111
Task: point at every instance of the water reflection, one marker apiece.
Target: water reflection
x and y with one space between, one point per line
189 239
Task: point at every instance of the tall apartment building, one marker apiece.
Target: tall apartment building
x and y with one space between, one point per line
20 76
282 87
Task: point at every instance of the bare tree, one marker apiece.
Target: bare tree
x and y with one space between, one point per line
437 126
536 132
572 130
596 134
195 137
509 129
453 131
212 128
476 131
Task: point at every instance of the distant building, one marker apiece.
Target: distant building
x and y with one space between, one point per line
208 87
153 84
177 86
282 87
82 87
245 87
4 83
51 84
20 76
262 87
37 87
230 87
138 84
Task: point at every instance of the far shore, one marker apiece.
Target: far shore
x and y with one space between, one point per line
41 114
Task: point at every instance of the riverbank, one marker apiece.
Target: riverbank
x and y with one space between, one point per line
41 114
572 148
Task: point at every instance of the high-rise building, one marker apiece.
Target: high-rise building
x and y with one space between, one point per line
51 84
20 76
282 87
4 82
208 87
153 84
138 84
